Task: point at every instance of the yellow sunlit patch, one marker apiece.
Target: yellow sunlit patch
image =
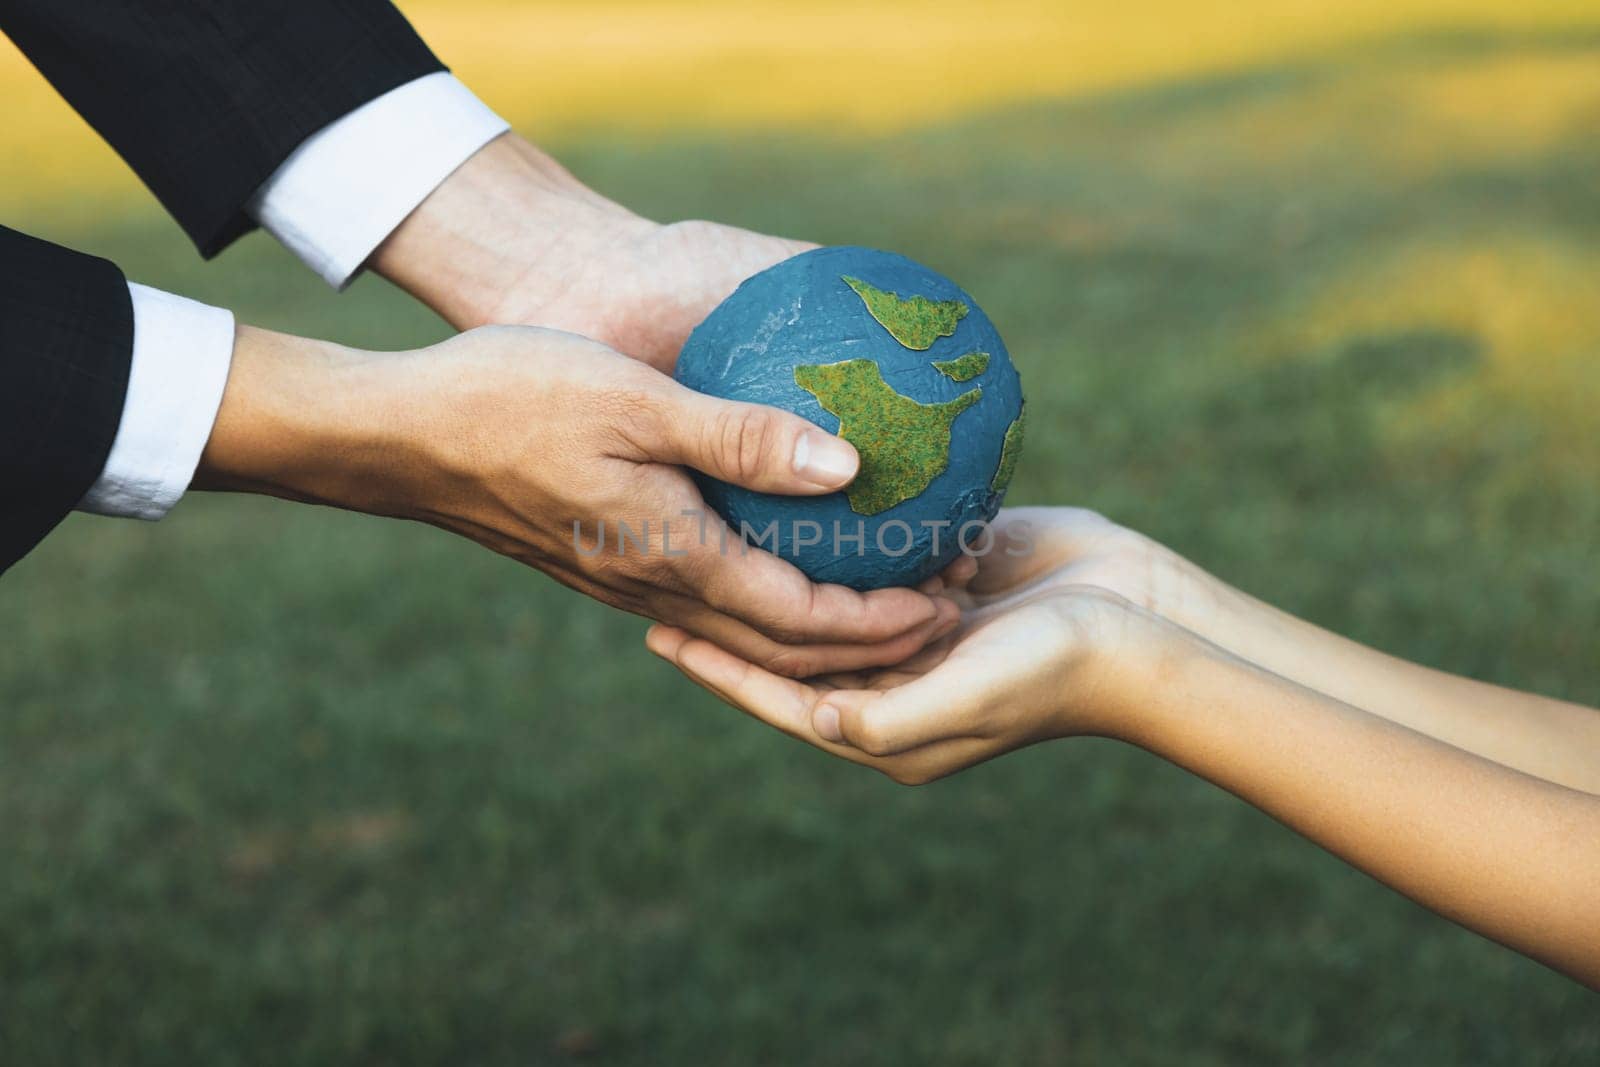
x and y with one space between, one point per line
1524 303
567 69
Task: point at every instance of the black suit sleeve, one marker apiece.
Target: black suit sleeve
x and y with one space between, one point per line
206 98
66 340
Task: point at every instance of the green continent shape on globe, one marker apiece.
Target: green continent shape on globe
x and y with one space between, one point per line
1009 451
963 368
904 443
916 322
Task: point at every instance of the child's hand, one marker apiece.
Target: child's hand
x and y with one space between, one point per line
1052 547
1037 656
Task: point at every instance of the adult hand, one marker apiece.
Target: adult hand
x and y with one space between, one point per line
512 237
1037 656
520 439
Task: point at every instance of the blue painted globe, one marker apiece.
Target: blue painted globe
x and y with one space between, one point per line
900 361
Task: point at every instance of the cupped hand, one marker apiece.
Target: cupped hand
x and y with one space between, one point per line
532 442
1037 656
1054 547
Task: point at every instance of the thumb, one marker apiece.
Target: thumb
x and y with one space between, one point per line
754 446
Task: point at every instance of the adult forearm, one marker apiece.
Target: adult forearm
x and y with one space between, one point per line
1506 854
305 420
518 438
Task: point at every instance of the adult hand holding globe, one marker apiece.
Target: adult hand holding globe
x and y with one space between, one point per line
899 361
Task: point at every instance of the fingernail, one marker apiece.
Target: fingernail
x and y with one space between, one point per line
944 628
825 720
823 459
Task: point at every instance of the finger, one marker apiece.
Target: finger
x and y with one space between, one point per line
789 706
935 652
774 597
718 570
663 640
843 680
897 674
803 660
960 572
752 445
782 703
1028 543
928 709
718 567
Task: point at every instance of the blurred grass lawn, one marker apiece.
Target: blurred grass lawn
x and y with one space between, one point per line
1312 297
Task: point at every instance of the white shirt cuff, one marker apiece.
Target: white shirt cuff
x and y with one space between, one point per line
336 198
181 353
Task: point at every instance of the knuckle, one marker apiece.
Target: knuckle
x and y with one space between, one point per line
741 438
633 563
594 565
870 738
617 568
786 632
789 621
791 663
694 571
634 416
655 571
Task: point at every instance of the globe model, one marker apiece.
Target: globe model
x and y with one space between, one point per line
899 361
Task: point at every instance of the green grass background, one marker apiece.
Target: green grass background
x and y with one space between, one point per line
283 785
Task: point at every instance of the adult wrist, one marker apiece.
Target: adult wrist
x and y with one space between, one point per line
510 220
304 420
347 187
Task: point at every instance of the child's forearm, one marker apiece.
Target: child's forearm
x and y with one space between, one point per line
1551 739
1514 857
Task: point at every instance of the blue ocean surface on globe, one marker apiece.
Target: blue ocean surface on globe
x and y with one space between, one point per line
943 369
